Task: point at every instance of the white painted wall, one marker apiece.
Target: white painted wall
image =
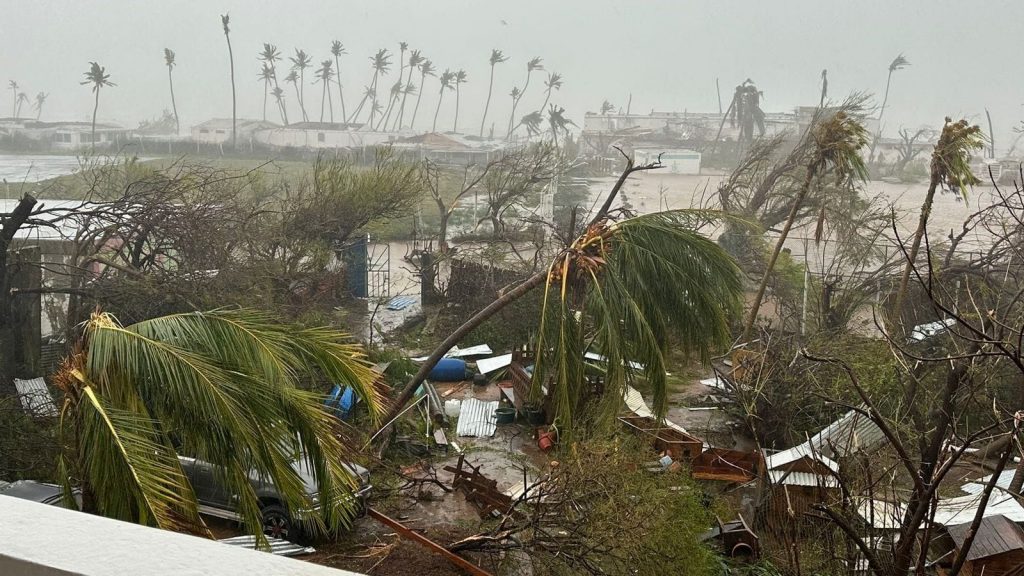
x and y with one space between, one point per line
310 138
41 540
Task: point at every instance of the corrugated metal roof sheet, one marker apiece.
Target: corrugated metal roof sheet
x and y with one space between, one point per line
795 453
35 397
477 418
976 486
802 479
948 511
635 403
278 547
853 432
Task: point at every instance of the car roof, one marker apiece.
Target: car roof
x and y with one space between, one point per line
32 490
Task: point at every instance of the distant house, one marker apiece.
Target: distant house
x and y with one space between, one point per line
450 147
218 130
67 135
322 135
676 161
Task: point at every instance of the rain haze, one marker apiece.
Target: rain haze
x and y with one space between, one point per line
667 55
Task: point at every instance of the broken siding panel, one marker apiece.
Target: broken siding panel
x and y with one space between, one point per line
278 547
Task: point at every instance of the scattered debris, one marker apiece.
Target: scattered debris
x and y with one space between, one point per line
401 302
885 515
734 538
727 465
278 547
408 533
480 491
488 365
922 332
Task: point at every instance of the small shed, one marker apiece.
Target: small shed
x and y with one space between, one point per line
734 539
997 550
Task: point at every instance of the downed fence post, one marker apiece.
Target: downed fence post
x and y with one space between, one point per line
422 540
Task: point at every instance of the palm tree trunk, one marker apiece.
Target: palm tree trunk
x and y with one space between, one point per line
490 87
440 98
297 97
341 95
419 97
546 98
881 112
922 225
359 108
330 100
455 126
405 95
511 117
797 203
373 101
174 106
95 108
323 98
302 94
387 114
266 89
234 97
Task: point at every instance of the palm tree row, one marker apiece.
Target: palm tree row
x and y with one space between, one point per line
21 97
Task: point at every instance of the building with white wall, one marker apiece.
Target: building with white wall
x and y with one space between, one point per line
323 135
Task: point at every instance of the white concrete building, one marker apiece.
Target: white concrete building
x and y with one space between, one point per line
43 540
323 135
675 160
218 130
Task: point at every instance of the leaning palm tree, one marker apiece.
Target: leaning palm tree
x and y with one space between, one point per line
396 92
950 168
293 79
96 77
836 143
553 82
40 100
533 64
606 107
223 387
337 49
278 94
625 288
324 76
415 60
300 62
531 122
267 76
496 58
557 122
169 62
898 63
426 69
447 78
368 95
515 98
22 99
225 21
381 63
270 56
460 78
13 85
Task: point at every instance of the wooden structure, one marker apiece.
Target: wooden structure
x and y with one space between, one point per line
480 491
727 465
676 443
405 532
997 550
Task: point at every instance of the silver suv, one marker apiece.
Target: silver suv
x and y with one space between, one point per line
216 500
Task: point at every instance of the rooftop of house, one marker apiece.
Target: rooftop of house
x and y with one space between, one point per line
996 535
241 123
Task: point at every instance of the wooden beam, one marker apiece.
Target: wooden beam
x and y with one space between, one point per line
422 540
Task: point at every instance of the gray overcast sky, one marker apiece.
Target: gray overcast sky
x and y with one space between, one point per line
965 55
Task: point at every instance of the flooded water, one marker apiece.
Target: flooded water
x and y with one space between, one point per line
16 168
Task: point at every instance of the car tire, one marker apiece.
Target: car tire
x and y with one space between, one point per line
277 523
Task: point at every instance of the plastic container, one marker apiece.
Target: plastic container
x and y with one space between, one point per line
452 408
505 415
545 440
534 416
448 370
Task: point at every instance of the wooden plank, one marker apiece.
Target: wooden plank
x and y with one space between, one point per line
427 543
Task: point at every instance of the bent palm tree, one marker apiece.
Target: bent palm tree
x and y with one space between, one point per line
96 77
531 122
13 85
293 79
22 99
225 21
267 76
220 386
278 93
898 63
169 62
460 78
496 58
396 91
415 60
447 77
950 167
40 100
554 82
324 75
300 62
837 141
533 64
557 122
337 49
381 63
270 56
426 69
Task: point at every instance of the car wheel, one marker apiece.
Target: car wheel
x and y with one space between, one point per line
277 523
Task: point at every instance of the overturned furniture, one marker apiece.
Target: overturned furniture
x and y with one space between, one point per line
727 465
